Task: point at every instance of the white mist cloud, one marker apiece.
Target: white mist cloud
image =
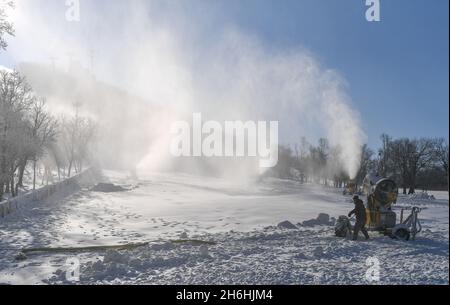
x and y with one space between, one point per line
238 79
231 76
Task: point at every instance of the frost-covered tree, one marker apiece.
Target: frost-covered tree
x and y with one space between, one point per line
16 99
26 130
6 27
41 132
77 134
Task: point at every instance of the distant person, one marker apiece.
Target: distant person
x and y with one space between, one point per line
360 212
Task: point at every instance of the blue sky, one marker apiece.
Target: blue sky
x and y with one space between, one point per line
396 69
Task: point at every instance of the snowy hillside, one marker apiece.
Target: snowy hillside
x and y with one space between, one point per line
240 219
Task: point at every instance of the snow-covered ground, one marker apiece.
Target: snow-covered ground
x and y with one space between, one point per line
41 181
240 218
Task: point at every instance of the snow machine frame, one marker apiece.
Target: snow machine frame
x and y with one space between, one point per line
411 226
381 194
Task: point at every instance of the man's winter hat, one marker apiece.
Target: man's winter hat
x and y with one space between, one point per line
355 197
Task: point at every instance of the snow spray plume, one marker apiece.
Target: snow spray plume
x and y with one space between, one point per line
178 70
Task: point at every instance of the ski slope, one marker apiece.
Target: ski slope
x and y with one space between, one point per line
241 218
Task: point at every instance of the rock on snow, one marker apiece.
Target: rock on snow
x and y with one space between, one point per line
287 225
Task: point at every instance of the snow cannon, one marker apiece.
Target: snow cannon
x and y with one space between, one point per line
381 194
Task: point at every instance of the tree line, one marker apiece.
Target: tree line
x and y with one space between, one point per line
311 163
412 163
32 139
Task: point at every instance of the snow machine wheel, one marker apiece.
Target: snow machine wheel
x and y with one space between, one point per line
401 234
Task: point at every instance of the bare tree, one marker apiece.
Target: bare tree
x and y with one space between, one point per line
68 137
410 157
41 132
26 129
385 167
57 155
322 153
304 165
366 163
334 168
442 154
423 156
77 134
86 135
16 99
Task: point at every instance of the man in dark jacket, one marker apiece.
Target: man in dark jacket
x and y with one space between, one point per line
360 212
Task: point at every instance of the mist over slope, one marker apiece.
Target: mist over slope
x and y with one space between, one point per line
121 117
230 76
